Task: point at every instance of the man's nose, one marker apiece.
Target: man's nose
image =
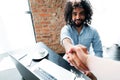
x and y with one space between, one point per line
78 16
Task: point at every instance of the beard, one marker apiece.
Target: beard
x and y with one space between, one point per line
78 22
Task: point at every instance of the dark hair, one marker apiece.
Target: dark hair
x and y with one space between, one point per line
82 3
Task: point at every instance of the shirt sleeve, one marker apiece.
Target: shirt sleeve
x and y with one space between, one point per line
65 33
104 69
97 45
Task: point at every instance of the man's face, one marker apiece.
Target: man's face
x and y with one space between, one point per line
78 16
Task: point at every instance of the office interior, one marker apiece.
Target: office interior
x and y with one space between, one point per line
26 22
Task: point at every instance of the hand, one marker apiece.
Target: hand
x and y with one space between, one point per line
81 52
74 60
76 56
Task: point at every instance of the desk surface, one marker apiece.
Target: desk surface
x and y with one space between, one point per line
11 74
54 57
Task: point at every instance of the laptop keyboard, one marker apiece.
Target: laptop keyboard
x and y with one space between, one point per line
44 75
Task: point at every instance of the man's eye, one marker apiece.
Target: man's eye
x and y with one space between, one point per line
74 14
82 13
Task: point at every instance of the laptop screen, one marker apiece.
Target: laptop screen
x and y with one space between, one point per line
24 71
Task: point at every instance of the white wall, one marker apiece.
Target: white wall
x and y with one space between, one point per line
16 30
106 20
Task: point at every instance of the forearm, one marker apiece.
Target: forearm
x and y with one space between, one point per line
106 67
67 44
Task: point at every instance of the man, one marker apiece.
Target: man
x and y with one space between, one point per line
78 15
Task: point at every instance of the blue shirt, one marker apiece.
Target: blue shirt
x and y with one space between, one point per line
86 37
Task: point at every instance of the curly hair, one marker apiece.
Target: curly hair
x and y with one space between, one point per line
72 5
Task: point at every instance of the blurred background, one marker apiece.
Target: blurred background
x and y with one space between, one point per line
25 22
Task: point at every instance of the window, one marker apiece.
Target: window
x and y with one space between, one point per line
16 28
106 20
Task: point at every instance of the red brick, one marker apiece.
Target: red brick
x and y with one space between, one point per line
48 19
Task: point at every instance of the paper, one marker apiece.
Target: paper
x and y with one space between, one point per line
6 63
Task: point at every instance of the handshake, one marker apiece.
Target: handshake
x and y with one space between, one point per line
77 56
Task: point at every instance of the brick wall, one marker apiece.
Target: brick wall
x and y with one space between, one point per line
48 19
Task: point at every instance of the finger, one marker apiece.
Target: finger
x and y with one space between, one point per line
70 59
72 63
84 49
90 75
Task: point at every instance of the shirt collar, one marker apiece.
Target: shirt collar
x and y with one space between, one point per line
81 30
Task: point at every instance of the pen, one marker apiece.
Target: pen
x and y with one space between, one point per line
22 57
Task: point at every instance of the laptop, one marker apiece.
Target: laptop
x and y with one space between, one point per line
45 70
